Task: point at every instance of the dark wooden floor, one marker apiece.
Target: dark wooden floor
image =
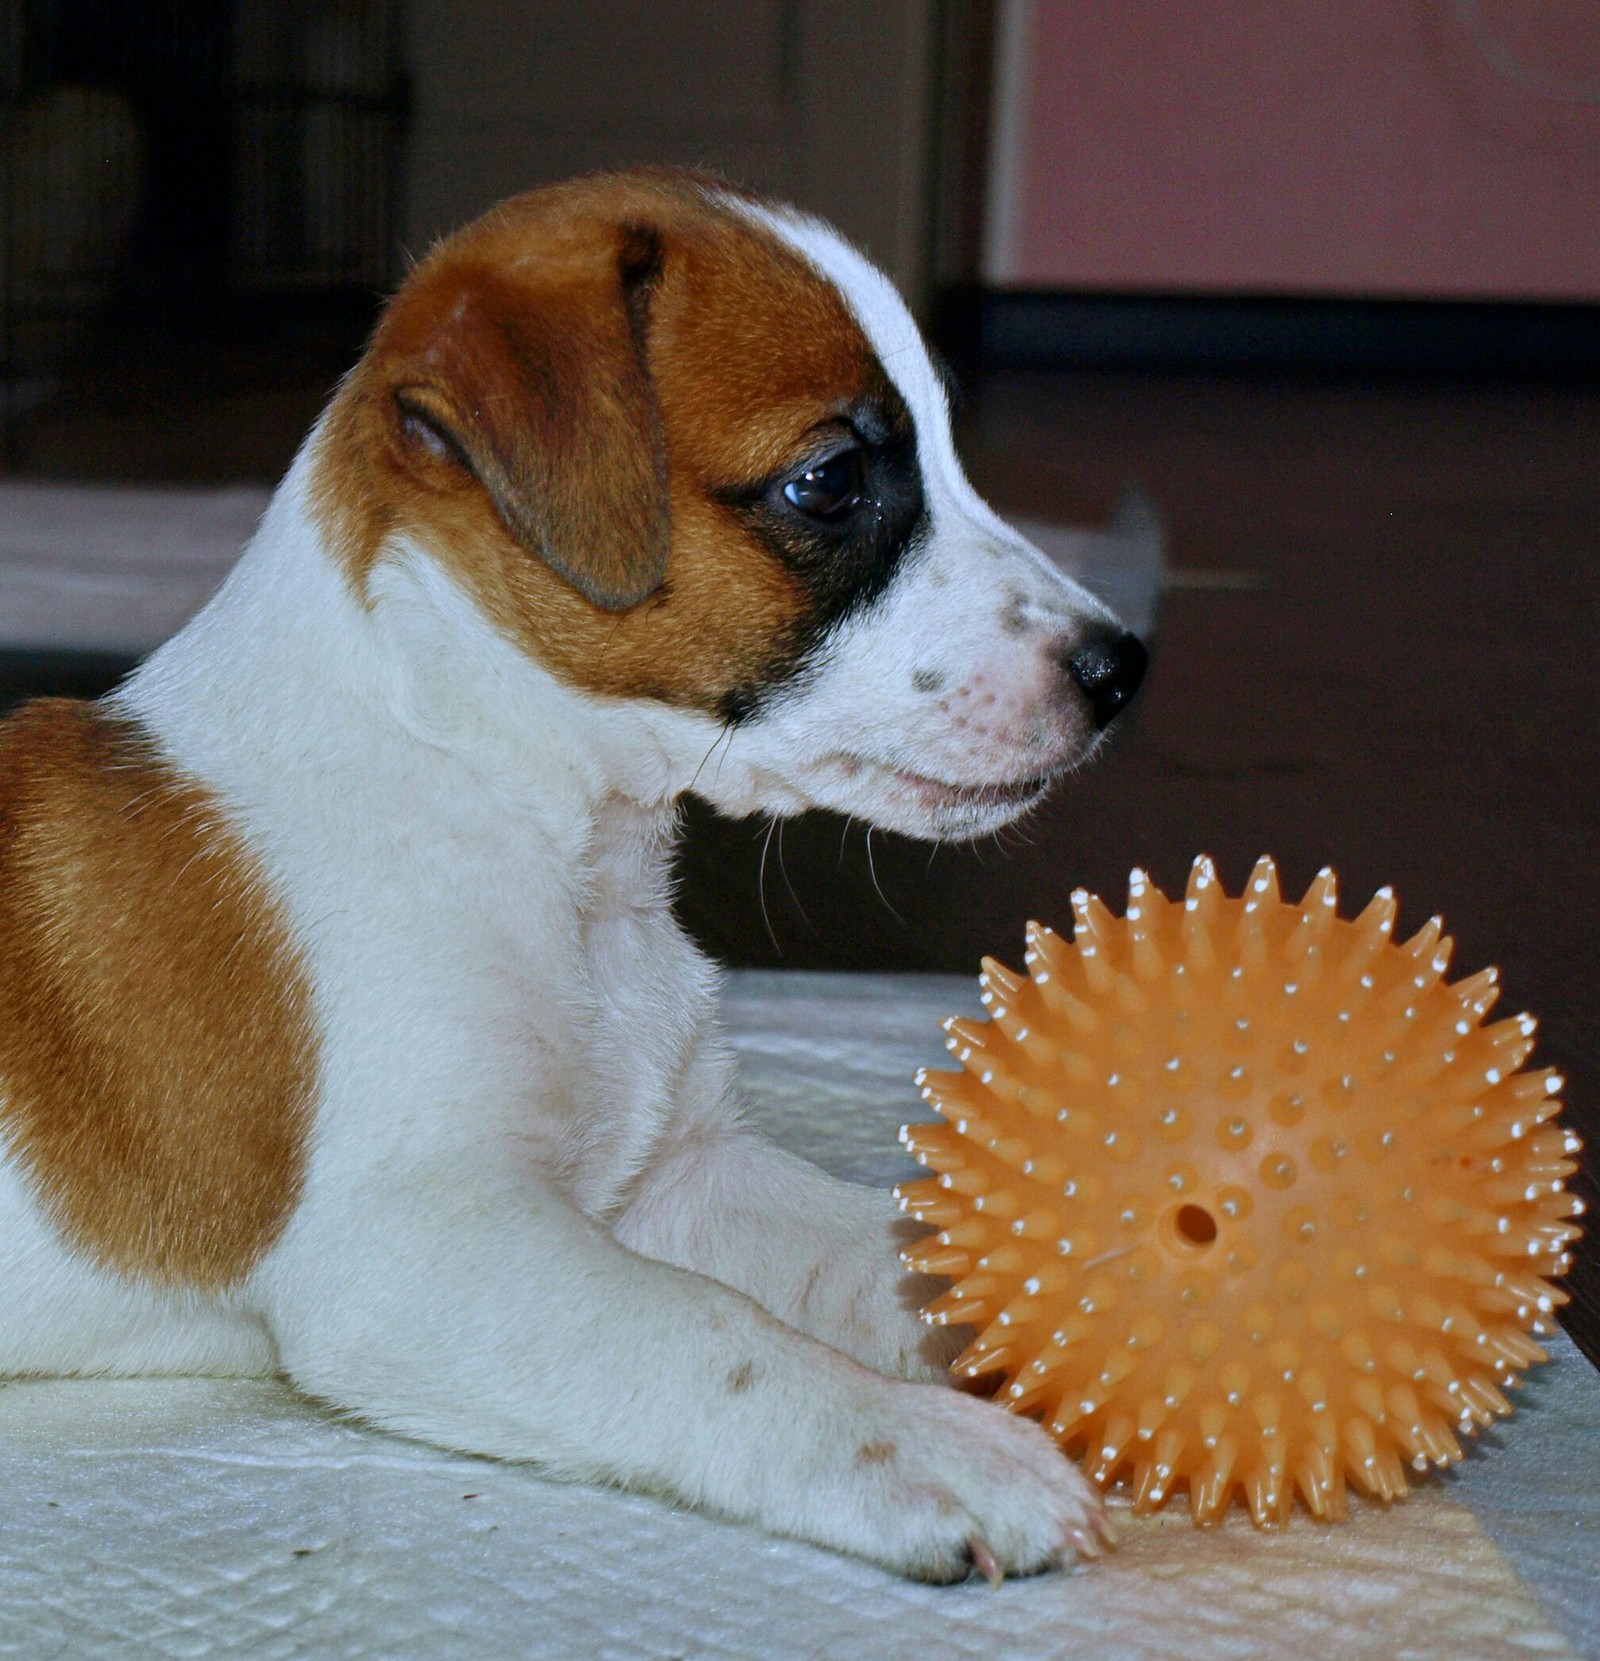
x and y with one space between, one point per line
1381 654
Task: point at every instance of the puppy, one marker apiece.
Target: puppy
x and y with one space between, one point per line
345 1028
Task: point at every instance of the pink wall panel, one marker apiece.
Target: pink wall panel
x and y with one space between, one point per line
1402 147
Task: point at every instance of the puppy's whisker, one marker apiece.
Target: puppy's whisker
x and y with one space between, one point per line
717 778
783 871
872 871
726 732
761 883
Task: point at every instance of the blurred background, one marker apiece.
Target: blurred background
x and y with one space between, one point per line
1321 282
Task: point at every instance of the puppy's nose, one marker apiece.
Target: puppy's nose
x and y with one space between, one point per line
1109 667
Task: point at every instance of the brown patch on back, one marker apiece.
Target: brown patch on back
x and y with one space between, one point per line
157 1057
875 1453
531 319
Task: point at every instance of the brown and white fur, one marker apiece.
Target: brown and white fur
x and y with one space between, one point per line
345 1028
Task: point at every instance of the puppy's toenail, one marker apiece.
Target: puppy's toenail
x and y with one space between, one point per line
1082 1541
985 1561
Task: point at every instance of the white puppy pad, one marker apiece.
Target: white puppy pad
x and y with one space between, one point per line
187 1518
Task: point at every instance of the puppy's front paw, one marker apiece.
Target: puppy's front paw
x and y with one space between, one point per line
884 1329
862 1300
945 1484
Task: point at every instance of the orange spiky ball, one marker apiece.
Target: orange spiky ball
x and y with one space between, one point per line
1243 1196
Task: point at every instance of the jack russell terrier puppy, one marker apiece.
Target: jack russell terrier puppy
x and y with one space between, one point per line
345 1028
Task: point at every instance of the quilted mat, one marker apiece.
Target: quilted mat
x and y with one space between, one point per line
194 1518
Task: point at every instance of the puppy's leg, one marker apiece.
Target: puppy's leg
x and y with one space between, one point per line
61 1313
820 1254
504 1322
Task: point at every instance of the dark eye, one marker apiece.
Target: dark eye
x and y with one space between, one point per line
828 491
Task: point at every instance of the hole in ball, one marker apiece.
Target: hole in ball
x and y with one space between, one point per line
1194 1225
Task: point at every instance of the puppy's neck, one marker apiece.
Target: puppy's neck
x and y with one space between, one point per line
288 678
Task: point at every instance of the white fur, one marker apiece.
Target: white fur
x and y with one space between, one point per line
533 1224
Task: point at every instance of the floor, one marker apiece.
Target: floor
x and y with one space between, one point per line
1377 652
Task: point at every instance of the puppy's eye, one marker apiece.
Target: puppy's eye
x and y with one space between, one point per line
829 490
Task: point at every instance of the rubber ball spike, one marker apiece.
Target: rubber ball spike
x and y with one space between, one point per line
1243 1199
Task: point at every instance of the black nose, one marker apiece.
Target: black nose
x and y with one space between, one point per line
1109 668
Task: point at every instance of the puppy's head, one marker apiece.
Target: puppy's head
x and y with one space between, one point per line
683 448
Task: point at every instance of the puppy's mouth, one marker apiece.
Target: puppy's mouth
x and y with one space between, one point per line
1012 797
919 804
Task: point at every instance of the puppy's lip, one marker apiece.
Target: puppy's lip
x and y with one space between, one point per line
932 792
936 793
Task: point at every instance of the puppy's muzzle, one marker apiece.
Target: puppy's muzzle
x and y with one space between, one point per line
1108 665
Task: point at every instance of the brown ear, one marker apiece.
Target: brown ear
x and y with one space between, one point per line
538 383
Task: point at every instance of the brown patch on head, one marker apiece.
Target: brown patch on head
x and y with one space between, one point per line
157 1058
563 404
741 1378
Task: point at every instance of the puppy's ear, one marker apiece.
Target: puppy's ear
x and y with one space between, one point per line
537 382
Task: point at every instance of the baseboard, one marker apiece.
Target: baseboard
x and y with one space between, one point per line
1058 329
29 672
